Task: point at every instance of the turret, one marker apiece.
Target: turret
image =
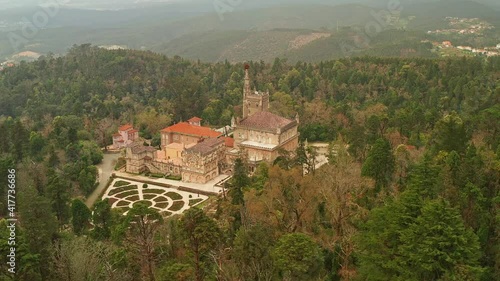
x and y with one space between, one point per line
246 91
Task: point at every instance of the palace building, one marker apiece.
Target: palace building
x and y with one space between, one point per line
200 154
260 134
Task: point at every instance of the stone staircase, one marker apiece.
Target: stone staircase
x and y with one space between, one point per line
153 169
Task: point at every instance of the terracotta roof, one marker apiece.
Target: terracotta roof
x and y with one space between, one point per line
125 127
266 121
133 131
117 135
188 129
229 142
206 146
195 119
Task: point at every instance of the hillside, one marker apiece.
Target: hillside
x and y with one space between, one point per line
198 32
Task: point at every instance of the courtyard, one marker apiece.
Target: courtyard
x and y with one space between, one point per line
123 194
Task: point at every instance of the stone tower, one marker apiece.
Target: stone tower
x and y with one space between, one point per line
253 101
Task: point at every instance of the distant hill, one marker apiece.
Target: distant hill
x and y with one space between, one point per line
193 29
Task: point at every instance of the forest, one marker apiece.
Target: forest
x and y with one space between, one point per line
411 190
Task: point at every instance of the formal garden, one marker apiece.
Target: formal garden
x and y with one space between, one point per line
124 194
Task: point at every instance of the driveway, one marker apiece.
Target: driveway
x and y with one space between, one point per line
106 168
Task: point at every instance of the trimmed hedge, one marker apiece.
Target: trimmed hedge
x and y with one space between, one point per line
126 193
174 195
121 183
161 199
146 202
162 205
176 206
194 202
174 178
153 191
122 203
120 189
132 198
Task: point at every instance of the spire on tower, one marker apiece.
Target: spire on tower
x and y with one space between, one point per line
247 91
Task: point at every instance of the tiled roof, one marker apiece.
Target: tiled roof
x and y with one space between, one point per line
229 142
188 129
117 135
195 119
141 148
206 146
133 131
125 127
266 121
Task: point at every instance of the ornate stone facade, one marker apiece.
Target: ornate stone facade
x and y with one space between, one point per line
262 134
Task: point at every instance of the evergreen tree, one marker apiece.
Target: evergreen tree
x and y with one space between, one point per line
239 181
379 164
80 216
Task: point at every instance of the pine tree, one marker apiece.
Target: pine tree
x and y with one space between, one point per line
80 216
379 164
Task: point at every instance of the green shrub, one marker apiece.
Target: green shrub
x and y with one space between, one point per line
145 185
120 163
144 202
175 178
